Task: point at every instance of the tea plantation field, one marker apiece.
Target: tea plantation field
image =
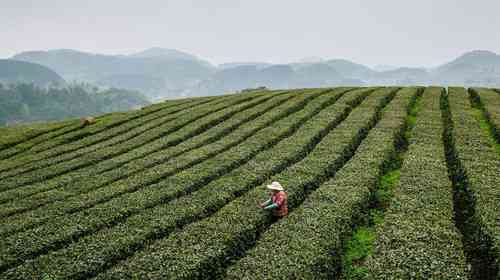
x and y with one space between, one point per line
382 183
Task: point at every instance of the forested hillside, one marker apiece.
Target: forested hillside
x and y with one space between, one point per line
23 102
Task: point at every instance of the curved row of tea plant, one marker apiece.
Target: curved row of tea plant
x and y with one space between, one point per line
12 136
63 190
199 121
132 160
66 171
39 149
158 164
26 137
35 144
234 228
170 192
113 120
157 191
68 146
311 237
477 166
418 238
272 135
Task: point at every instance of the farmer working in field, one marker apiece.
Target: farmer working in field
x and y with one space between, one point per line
278 201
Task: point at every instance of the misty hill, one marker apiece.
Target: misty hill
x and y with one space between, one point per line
164 54
155 72
401 76
297 75
12 71
169 54
316 75
250 76
225 66
276 76
383 67
350 69
164 73
345 68
305 73
476 68
241 77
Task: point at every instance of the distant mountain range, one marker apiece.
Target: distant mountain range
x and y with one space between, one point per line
164 73
155 72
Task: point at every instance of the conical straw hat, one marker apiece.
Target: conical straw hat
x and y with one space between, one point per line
275 186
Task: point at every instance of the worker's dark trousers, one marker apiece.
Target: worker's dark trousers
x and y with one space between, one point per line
274 219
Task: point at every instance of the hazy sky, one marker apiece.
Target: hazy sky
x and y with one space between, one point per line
397 32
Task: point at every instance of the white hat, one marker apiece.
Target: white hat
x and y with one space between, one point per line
275 186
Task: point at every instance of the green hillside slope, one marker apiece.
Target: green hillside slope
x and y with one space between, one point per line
382 183
12 71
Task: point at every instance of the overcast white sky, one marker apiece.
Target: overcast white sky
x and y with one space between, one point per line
394 32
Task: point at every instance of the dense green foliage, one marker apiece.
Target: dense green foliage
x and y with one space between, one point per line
476 170
418 238
11 136
170 191
324 212
23 102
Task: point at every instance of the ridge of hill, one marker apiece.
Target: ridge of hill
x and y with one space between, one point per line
155 72
475 68
164 73
14 71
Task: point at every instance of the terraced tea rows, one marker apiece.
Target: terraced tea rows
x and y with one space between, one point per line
170 191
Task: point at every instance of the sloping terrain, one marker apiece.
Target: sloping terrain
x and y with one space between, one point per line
382 183
13 71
